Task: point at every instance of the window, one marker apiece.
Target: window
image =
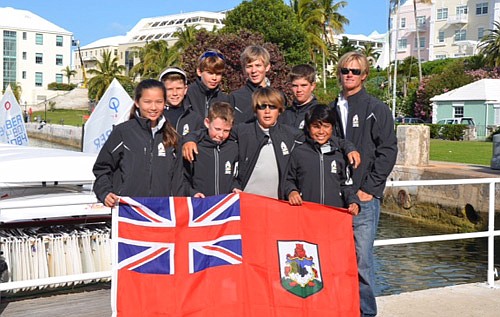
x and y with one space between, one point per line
24 74
59 78
422 42
9 57
25 55
59 60
402 23
480 33
458 111
441 56
482 8
441 37
442 14
25 35
38 79
39 39
402 43
460 35
39 58
461 10
59 40
421 21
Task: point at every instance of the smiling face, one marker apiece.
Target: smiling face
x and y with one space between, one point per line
256 72
176 90
351 84
321 132
302 90
151 104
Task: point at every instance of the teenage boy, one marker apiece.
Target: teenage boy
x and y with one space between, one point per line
213 169
178 111
367 122
302 78
255 61
205 90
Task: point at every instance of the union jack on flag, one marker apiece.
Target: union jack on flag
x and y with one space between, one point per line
162 235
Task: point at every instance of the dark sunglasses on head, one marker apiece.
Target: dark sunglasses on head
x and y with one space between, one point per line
264 106
212 54
355 71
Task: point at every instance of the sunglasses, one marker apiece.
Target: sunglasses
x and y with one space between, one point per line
264 106
355 71
212 54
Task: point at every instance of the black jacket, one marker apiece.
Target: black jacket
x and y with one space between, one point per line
134 163
214 168
251 139
189 120
295 114
200 97
319 177
370 127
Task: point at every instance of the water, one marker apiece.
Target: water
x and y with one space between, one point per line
411 267
47 144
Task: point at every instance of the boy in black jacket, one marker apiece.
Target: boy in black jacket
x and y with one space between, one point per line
318 169
213 169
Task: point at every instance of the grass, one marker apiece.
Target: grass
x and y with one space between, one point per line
63 116
468 152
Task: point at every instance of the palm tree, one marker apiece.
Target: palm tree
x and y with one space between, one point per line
106 71
490 46
68 72
333 21
186 36
153 58
370 53
310 16
418 35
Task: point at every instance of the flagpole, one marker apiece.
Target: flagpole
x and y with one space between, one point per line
395 24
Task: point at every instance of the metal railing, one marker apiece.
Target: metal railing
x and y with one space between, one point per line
491 233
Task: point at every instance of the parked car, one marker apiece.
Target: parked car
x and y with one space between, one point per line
464 120
407 120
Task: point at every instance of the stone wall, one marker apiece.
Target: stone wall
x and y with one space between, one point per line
62 134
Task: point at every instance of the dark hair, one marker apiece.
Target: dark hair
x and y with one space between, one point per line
320 113
305 71
170 137
221 109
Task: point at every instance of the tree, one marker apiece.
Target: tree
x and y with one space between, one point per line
68 72
489 46
370 53
153 58
103 75
276 22
310 17
231 45
345 46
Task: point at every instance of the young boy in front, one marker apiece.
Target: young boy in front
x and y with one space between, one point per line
178 112
205 90
302 78
213 170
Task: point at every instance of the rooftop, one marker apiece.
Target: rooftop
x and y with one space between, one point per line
11 18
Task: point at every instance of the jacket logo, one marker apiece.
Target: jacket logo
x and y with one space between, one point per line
301 125
333 167
227 168
284 148
161 150
355 121
300 269
185 129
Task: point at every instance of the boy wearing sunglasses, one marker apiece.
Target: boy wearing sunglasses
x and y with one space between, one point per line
205 90
367 122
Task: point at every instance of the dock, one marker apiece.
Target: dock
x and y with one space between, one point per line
466 300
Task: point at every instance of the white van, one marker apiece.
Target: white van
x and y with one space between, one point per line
464 120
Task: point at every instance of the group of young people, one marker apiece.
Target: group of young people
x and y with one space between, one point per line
195 140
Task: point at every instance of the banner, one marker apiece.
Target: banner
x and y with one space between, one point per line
113 108
233 255
12 128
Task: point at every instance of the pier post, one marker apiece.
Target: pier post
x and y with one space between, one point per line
495 160
413 145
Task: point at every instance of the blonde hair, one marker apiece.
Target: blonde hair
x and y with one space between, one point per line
213 61
221 109
353 56
252 53
268 95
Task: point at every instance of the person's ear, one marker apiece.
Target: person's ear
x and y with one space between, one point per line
198 72
206 122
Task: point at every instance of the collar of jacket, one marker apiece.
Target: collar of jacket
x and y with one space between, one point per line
303 107
207 141
253 87
204 89
358 96
146 123
315 145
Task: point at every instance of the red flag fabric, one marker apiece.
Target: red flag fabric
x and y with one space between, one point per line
234 255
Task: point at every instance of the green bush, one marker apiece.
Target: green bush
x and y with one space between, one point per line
453 132
61 86
490 137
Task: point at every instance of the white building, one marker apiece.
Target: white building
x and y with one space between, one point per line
33 54
147 29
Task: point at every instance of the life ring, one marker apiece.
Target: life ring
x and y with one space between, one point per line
404 199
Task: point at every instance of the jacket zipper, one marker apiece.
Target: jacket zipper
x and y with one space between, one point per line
321 179
216 156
